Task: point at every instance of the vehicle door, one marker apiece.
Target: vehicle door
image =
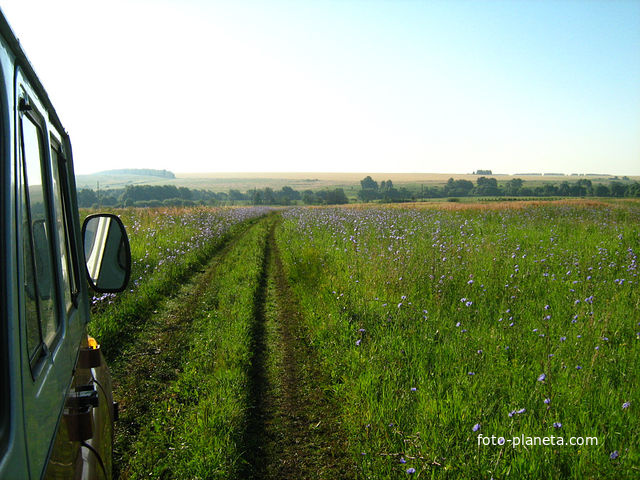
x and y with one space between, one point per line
48 278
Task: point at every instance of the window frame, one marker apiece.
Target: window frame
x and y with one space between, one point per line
38 357
6 219
70 240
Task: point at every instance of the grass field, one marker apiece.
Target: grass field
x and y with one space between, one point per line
379 342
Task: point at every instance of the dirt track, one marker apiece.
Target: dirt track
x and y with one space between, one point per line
292 429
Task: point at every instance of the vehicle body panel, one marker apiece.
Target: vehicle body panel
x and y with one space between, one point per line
56 406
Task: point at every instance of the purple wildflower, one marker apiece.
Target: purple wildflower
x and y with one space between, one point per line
542 377
411 470
614 455
626 405
476 427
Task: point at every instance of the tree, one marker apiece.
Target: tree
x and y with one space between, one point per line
268 196
617 189
549 190
290 193
385 186
184 193
487 186
366 195
309 197
336 197
581 188
633 190
369 183
236 195
602 191
564 189
458 188
257 197
513 186
86 198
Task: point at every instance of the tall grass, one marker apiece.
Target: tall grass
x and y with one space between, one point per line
439 326
197 431
166 246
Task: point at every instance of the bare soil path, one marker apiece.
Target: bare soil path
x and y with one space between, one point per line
292 431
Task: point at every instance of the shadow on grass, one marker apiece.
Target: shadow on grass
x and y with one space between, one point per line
254 436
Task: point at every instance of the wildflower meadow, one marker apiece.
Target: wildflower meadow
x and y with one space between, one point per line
423 341
442 326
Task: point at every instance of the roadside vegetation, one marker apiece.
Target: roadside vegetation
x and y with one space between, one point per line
167 246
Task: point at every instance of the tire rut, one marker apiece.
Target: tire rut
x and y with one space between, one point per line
292 432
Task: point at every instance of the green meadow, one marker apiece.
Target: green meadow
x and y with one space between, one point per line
438 341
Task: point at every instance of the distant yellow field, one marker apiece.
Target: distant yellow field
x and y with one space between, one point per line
351 177
350 182
342 177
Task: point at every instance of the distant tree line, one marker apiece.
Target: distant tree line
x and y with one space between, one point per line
289 196
489 187
145 196
371 190
170 195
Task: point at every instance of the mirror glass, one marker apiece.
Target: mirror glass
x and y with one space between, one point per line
107 252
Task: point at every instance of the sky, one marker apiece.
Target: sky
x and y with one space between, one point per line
453 86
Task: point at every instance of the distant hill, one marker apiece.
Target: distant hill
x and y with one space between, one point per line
145 172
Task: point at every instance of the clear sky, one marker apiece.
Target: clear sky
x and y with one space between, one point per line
350 85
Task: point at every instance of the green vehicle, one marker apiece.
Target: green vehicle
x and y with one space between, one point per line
56 406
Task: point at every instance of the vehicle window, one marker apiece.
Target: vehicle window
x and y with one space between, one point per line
42 322
31 303
63 230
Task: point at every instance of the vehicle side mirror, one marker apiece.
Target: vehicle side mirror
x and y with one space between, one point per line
107 253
